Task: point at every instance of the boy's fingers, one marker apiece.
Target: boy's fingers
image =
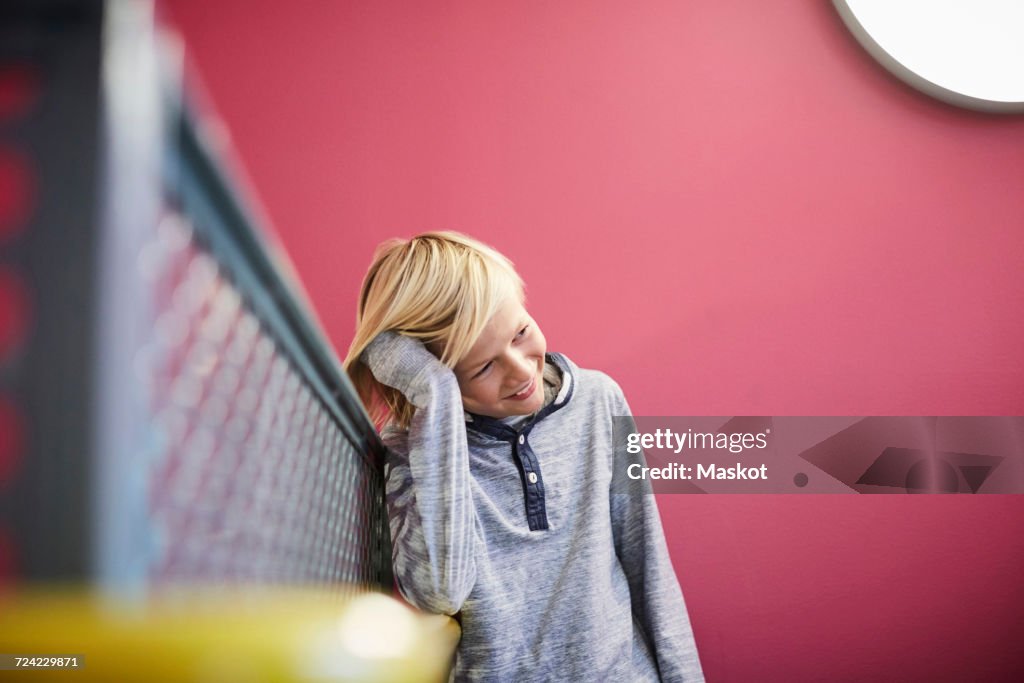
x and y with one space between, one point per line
395 359
389 344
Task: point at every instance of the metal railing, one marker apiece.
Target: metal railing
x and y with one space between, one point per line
181 416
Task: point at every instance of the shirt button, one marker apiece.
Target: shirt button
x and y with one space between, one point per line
522 439
532 476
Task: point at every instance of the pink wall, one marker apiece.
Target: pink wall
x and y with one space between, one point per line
729 208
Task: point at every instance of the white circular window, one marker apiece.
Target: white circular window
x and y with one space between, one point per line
967 52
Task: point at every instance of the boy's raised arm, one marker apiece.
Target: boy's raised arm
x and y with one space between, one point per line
430 502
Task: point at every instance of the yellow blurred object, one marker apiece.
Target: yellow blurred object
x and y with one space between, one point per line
230 635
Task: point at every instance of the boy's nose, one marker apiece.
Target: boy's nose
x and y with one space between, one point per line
522 369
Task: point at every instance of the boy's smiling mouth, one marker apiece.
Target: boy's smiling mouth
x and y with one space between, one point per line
525 392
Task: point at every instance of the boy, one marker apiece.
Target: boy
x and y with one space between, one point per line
499 466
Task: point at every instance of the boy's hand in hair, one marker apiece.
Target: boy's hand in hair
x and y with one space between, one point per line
403 363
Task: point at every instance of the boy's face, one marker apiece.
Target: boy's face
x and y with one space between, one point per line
502 375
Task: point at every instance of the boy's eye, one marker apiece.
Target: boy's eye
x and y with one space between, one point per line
522 332
484 369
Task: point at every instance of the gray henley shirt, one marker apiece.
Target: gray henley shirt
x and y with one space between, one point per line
514 528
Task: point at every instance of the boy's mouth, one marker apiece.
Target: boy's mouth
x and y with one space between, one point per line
525 392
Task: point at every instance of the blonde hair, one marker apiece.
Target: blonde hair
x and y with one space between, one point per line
439 287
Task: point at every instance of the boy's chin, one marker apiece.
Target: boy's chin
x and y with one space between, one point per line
504 410
525 410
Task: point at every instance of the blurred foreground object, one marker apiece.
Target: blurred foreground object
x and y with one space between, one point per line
187 634
171 417
170 408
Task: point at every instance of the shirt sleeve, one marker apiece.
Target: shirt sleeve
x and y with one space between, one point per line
658 605
427 484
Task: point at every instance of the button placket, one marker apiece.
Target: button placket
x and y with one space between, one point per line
533 489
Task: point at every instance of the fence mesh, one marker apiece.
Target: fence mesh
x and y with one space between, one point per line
250 478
